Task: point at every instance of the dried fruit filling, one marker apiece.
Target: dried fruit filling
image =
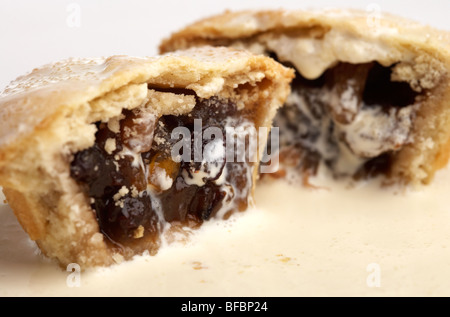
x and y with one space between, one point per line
353 118
137 186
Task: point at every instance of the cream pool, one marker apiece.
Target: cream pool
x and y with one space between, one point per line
339 239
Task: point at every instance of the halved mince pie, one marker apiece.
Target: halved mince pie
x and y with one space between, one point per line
100 157
371 94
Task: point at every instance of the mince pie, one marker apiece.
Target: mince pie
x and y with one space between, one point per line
100 158
371 94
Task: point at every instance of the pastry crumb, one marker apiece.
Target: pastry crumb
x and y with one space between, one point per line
114 123
134 191
119 195
158 140
196 265
122 192
110 145
118 258
97 238
139 232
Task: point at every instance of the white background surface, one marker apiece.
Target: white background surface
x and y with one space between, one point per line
33 33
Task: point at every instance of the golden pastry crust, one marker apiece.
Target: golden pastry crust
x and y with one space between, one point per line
48 115
392 29
422 54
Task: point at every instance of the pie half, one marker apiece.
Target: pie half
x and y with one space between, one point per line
371 94
87 147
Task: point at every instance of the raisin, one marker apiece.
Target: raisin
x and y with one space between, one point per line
124 216
206 201
105 174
